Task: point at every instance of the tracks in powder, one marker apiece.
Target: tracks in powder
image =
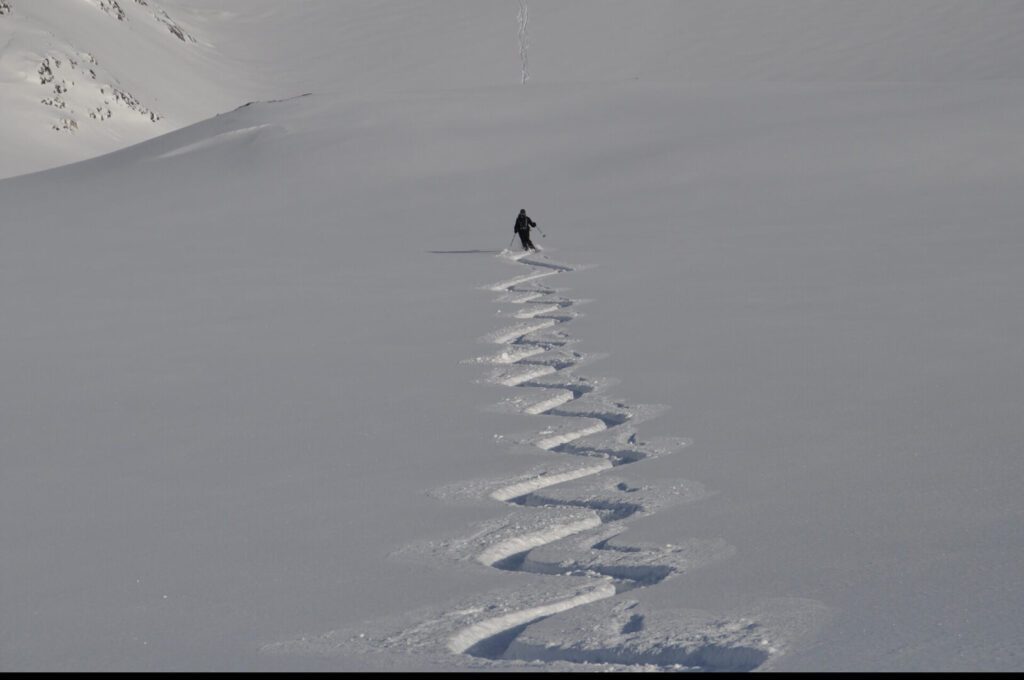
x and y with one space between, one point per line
564 527
566 519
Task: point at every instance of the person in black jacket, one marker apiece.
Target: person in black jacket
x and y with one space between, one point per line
523 224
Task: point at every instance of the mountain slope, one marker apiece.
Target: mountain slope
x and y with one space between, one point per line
277 396
84 77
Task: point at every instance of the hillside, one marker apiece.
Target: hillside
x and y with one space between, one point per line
282 393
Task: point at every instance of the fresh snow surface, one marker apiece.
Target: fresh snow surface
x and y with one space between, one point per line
279 394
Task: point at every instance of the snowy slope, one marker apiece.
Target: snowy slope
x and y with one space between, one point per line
84 77
277 395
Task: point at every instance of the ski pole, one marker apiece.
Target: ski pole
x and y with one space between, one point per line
512 241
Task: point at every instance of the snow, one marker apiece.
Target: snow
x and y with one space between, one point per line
479 632
279 395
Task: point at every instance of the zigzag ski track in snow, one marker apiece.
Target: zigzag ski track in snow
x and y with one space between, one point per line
564 535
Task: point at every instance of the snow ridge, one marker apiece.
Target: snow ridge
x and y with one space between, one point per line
88 77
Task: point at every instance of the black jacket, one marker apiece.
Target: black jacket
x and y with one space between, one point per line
523 223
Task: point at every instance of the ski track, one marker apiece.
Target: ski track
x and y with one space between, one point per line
564 522
582 545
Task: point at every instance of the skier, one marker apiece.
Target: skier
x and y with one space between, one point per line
523 224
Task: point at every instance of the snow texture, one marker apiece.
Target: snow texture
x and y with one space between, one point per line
279 395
